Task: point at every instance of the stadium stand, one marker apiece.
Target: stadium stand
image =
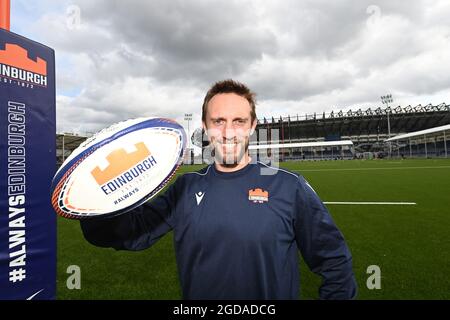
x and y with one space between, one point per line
65 144
424 143
367 129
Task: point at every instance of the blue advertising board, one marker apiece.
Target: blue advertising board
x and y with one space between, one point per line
27 165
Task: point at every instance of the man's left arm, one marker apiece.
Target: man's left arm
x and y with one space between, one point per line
322 245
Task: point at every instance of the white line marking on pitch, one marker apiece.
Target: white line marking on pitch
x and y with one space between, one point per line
364 169
373 203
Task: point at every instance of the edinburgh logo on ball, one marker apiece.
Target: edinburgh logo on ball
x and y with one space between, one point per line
123 170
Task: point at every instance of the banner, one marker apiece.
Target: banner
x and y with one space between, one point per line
27 165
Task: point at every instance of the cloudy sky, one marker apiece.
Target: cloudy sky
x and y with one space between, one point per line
124 59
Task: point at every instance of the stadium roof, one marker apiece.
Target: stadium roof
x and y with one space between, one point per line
362 127
302 144
429 108
420 133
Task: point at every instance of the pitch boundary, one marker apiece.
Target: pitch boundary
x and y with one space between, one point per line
370 203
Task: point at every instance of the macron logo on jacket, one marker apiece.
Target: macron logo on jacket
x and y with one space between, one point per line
199 196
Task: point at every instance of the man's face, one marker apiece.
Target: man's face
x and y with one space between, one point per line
228 125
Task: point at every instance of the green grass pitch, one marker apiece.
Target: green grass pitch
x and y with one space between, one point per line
410 244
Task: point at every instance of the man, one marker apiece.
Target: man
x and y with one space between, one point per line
238 224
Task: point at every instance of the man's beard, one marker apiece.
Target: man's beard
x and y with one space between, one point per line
233 159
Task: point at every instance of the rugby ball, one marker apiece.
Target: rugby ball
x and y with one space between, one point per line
119 168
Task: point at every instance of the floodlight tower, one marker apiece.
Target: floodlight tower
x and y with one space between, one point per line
386 100
188 117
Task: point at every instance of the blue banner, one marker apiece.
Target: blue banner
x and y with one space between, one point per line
27 165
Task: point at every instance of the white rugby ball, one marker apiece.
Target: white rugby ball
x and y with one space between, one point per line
119 168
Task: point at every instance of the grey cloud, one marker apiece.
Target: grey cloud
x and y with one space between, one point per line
184 37
163 55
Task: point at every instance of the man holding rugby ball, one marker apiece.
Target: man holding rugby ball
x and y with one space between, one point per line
238 224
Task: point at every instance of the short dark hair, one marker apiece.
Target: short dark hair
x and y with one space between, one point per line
230 86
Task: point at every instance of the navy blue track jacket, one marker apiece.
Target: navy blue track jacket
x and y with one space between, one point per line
237 235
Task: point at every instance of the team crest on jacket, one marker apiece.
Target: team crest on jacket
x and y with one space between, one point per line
258 195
